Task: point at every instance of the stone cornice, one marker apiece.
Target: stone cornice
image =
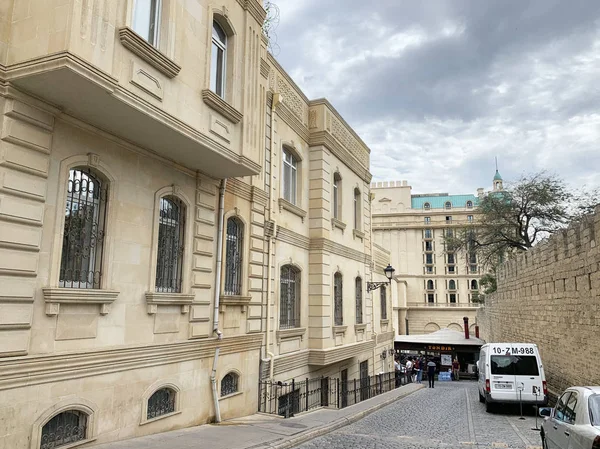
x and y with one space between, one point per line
325 139
221 106
246 191
289 362
255 10
264 68
271 59
17 372
323 357
385 336
292 121
139 46
293 238
320 244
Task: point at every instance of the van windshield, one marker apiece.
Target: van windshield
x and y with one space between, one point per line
515 365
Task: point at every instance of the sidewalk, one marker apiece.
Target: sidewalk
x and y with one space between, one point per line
264 431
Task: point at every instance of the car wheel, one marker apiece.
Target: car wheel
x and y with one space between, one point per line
489 407
481 398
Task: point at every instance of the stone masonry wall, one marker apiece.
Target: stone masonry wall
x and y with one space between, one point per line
550 296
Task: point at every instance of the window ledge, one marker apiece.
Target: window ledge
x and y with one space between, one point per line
234 300
155 299
386 321
286 205
290 333
138 45
221 106
360 327
359 234
340 329
335 223
78 443
237 393
158 418
54 297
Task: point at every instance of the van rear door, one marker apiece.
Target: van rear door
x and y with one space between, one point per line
528 373
502 383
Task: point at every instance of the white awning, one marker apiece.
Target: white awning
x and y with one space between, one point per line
442 337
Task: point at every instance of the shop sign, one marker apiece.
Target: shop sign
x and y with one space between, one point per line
439 348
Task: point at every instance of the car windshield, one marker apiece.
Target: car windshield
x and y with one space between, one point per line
515 365
594 403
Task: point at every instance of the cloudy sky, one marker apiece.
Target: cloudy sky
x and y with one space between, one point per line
438 88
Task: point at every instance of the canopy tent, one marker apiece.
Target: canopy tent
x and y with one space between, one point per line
446 337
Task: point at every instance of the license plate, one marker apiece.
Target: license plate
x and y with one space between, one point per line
503 386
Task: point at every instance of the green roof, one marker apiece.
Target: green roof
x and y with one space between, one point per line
497 176
439 201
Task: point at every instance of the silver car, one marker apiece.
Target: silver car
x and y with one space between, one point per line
574 423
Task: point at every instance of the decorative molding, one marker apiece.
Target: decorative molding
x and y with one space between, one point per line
335 223
284 112
359 234
255 9
360 327
323 357
339 329
293 238
54 297
289 362
236 300
139 46
325 139
221 106
284 334
155 299
40 369
264 68
322 244
286 205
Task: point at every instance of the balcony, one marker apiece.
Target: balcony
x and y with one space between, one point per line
441 305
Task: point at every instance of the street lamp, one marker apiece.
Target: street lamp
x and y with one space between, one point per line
389 273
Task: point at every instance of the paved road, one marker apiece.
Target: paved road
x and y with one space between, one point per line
448 416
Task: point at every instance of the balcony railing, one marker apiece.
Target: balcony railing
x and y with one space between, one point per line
441 304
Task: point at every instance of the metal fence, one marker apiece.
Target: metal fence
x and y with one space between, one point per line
288 398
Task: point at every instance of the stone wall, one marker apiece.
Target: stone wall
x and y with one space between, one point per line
550 296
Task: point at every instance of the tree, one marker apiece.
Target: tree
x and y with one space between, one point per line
516 218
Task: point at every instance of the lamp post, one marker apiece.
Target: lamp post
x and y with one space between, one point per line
389 273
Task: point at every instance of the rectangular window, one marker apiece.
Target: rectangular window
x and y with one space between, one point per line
427 220
451 259
524 365
171 228
218 60
359 307
448 219
290 169
383 298
473 268
430 298
453 298
429 269
146 19
429 259
451 269
357 209
470 218
449 233
428 246
428 233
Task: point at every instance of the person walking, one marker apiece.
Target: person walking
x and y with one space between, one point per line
419 367
455 368
431 372
397 371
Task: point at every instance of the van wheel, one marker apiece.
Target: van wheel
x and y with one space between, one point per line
481 398
489 407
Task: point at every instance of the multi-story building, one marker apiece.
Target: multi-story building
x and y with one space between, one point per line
176 218
436 287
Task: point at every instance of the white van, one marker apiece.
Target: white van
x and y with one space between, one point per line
509 373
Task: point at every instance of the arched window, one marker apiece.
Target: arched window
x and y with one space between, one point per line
452 284
229 384
233 256
83 238
426 206
171 241
474 285
64 429
448 205
359 301
357 209
289 297
338 299
337 205
289 178
146 20
162 402
383 299
469 204
218 61
430 285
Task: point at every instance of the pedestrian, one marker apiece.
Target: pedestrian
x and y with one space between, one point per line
409 368
455 368
431 372
397 371
419 367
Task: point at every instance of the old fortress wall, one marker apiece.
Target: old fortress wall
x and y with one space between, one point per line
550 296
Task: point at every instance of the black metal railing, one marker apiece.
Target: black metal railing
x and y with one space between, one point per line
292 397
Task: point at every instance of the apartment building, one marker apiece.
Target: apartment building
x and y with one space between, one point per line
177 221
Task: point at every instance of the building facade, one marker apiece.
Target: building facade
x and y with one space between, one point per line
435 287
177 221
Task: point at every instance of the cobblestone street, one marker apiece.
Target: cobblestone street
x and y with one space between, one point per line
449 416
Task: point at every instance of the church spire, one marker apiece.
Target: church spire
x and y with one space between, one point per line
497 182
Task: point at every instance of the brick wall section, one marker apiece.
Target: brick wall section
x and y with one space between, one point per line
551 296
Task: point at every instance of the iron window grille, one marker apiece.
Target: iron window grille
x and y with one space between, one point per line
171 240
229 384
218 60
162 402
290 176
64 429
383 299
359 301
289 298
233 257
83 238
338 301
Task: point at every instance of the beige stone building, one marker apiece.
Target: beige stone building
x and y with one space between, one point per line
435 287
176 218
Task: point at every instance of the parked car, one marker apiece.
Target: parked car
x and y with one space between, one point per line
574 423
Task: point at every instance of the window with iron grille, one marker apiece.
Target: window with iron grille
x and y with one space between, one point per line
359 301
233 256
64 429
229 384
289 297
83 238
383 299
162 402
171 240
338 301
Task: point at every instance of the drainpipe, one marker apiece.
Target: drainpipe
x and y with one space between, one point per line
271 241
213 376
